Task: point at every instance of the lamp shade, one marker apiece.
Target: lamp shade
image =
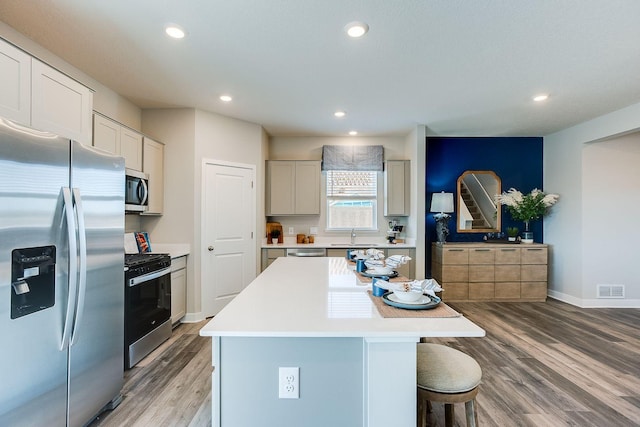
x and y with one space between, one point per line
442 202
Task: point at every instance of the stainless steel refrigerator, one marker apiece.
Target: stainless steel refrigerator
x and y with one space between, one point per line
61 279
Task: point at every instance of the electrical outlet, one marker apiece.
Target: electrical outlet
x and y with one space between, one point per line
313 230
291 231
289 383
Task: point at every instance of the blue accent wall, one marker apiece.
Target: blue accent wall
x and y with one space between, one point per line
516 160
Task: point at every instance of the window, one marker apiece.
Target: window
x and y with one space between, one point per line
352 200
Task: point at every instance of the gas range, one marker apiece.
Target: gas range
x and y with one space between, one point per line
147 311
139 264
131 260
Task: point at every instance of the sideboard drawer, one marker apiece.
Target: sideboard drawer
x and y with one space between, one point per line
455 256
534 255
481 273
533 273
507 273
508 256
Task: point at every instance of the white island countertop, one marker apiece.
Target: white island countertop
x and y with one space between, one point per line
320 297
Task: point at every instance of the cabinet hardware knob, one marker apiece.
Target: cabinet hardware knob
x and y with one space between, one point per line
210 248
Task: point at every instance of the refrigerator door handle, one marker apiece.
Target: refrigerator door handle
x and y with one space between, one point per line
82 247
73 267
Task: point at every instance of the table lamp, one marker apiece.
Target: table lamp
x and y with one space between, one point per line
442 203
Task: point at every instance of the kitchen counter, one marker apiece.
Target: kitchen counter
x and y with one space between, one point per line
314 314
362 243
176 250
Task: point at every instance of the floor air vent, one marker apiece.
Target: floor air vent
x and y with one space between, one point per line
610 291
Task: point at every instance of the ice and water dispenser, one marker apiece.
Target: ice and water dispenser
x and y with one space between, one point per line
33 278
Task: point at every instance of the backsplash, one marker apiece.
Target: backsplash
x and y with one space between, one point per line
303 225
132 223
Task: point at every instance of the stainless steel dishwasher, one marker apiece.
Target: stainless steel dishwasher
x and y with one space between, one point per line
307 252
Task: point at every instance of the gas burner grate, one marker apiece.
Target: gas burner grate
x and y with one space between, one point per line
131 260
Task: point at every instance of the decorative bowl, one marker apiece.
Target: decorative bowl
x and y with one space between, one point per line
408 296
380 270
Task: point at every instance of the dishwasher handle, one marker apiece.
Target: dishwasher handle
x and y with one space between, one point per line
318 252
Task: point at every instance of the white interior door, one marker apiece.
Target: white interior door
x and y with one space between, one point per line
228 253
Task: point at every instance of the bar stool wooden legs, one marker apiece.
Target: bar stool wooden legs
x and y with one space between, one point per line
448 376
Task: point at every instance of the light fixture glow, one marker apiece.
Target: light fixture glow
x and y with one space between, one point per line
339 114
353 133
542 97
356 29
174 31
225 98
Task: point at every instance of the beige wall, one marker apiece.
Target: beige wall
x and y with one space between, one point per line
576 161
415 149
190 136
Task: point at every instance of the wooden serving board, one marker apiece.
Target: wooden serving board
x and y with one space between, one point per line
274 226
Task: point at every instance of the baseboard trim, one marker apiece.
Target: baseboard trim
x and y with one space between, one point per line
595 302
192 317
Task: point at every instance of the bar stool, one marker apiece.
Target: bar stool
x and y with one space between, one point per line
448 376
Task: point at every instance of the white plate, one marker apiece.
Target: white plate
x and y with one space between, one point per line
379 272
420 301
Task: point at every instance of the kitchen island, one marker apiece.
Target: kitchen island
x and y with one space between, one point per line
356 368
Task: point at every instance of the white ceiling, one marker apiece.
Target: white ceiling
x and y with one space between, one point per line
460 67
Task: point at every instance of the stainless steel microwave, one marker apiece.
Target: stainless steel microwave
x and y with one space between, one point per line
136 195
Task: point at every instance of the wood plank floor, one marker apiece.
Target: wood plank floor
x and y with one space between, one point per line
553 364
544 364
169 387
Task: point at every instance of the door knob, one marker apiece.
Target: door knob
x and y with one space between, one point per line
210 248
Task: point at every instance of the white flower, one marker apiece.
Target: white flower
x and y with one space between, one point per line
550 199
526 207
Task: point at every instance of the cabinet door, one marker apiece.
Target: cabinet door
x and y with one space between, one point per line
106 134
15 84
131 148
178 294
153 164
396 188
281 187
60 104
307 188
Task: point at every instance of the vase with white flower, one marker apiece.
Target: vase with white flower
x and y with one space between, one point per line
527 207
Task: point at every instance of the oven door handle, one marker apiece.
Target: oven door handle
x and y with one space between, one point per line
146 277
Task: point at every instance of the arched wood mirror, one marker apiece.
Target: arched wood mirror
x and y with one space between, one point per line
477 209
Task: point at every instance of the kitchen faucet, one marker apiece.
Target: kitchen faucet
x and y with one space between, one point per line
353 236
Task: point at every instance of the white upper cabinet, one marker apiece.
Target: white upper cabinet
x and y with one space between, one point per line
153 165
396 188
60 104
106 134
293 187
34 94
307 189
15 84
140 153
114 138
131 148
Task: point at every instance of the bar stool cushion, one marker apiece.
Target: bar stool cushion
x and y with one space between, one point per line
444 369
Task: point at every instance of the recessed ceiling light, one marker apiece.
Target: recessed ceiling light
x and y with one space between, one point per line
339 114
174 31
353 133
356 29
225 98
541 97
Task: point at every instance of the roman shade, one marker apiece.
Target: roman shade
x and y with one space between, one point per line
352 157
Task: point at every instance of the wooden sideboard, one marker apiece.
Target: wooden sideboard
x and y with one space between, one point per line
490 272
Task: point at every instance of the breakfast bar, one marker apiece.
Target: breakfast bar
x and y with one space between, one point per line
354 366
